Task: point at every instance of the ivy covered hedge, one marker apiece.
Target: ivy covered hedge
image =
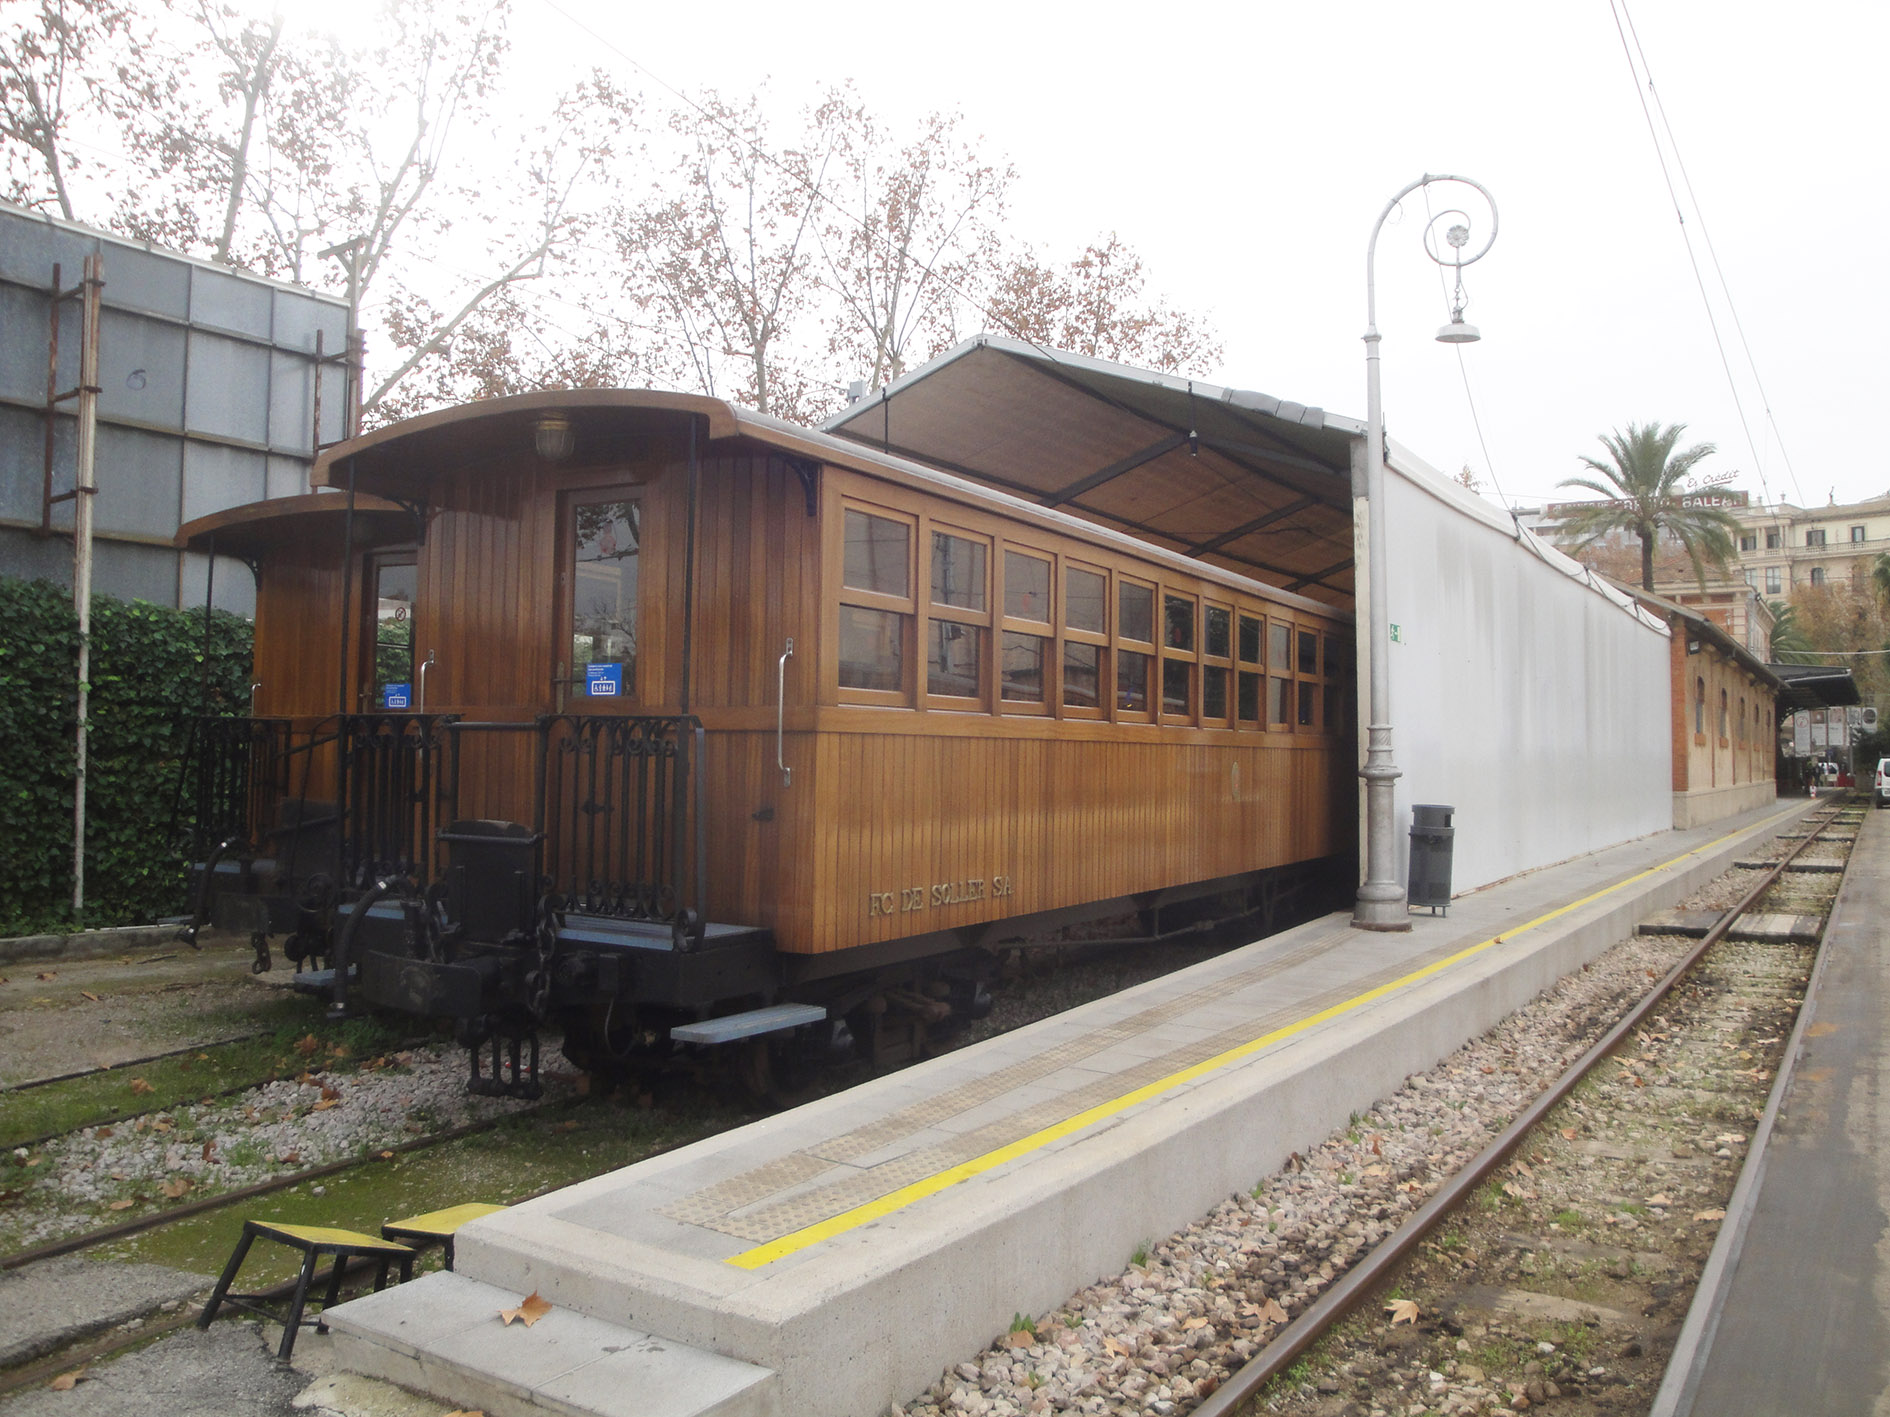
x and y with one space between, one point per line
147 681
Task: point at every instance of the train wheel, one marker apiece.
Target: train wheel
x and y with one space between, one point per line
783 1070
601 1040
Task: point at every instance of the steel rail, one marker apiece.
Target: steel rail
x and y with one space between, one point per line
32 1083
1356 1283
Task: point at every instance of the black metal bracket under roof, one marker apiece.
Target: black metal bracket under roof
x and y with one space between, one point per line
1254 484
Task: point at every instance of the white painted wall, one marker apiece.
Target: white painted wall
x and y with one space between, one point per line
1524 693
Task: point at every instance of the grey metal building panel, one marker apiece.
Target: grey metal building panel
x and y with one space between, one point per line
286 477
131 572
140 481
292 402
140 370
23 462
29 248
28 557
145 282
300 317
216 477
235 586
192 359
228 302
227 394
25 332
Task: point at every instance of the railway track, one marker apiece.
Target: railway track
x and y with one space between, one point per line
1473 1293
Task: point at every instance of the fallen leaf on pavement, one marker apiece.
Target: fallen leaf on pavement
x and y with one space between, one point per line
48 974
1663 1200
121 1205
1568 1134
1196 1322
66 1382
325 1104
1402 1311
1709 1215
330 1093
88 994
307 1044
140 1086
101 1132
176 1187
530 1310
1271 1312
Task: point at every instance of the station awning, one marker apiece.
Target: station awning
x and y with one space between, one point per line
1814 686
1250 483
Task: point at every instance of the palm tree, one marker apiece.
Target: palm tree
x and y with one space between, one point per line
1645 497
1788 644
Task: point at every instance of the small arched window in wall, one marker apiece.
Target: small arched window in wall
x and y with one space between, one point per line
1699 705
1722 713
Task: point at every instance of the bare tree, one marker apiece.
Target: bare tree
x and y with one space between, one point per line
57 57
1096 306
914 225
725 252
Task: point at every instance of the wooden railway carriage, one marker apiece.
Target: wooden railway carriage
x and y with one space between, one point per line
659 718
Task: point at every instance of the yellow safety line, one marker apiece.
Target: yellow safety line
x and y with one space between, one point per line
943 1180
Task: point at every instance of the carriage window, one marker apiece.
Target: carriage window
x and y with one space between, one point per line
1308 652
1178 622
1248 681
1218 637
1026 587
1021 672
957 572
1085 599
1082 675
1177 686
1280 647
876 609
1249 705
1135 612
1308 704
878 555
1131 681
605 540
395 582
872 649
1213 691
954 659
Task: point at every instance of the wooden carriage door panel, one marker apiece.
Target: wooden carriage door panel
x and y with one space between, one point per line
599 661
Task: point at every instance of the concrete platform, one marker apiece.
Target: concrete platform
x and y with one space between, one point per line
1793 1312
1778 929
853 1247
47 1306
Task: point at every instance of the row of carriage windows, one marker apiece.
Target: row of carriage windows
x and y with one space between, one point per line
1216 662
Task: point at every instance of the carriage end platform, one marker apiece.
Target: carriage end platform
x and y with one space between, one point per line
835 1258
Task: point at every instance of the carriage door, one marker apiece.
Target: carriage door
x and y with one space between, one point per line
389 684
602 533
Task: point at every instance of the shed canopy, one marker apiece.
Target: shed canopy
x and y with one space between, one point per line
1253 484
1813 686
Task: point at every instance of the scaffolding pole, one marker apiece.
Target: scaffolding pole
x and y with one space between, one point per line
84 488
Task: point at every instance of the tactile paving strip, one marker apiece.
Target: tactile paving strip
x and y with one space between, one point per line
740 1206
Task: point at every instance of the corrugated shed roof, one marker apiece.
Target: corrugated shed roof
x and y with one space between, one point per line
1238 479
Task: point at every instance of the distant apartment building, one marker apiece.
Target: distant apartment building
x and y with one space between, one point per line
1783 547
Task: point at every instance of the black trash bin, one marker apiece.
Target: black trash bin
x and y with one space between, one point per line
1431 838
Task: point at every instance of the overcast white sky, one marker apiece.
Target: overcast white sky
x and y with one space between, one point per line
1245 150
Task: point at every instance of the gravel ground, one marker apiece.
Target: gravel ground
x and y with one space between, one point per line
1169 1329
335 1111
222 1372
58 1016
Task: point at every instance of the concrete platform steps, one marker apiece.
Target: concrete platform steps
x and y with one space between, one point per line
443 1334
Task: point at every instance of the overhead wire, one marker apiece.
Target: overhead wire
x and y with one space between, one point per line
1725 286
1615 8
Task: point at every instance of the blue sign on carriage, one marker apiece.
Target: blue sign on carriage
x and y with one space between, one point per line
603 681
396 696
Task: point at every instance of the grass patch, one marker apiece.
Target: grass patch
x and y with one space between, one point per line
102 1097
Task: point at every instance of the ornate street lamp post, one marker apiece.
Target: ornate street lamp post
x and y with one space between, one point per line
1381 898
